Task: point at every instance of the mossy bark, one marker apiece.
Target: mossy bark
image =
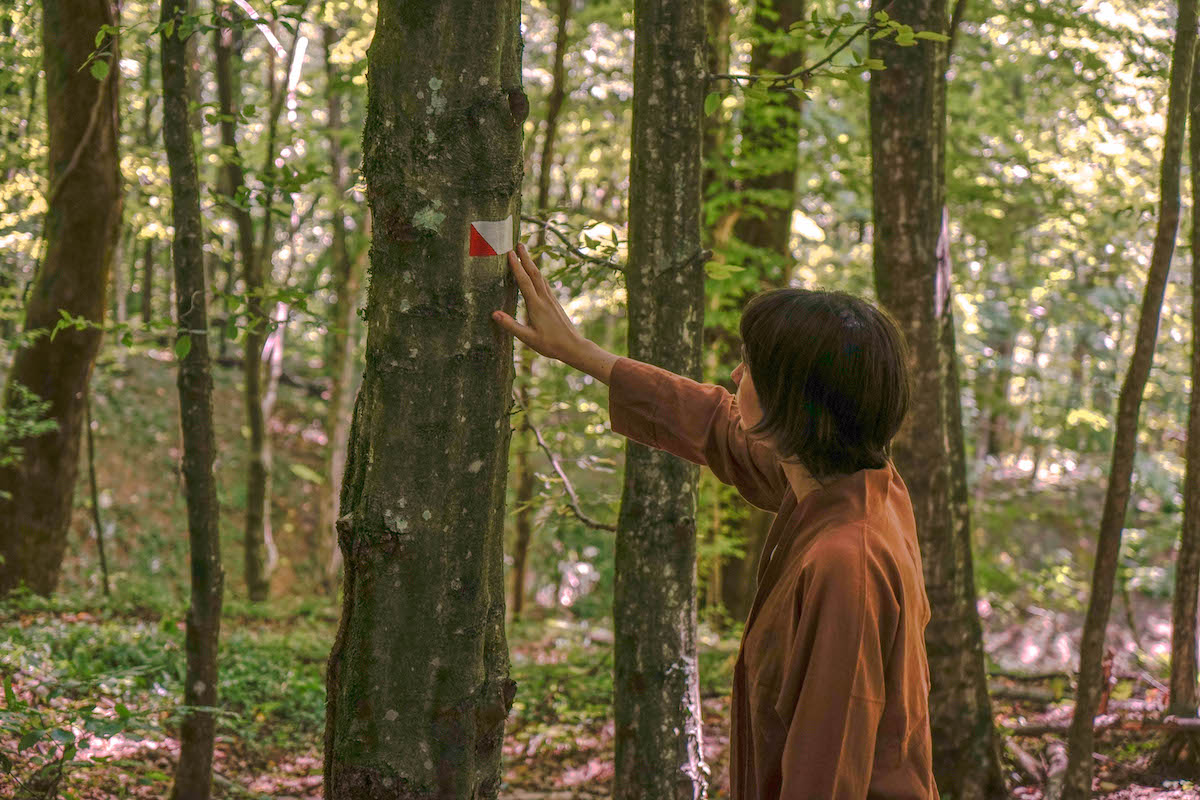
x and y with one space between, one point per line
193 775
655 692
418 678
82 218
913 281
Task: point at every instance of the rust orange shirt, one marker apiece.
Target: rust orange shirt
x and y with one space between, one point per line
831 684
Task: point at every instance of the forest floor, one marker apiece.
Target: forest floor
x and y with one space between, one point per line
105 683
97 683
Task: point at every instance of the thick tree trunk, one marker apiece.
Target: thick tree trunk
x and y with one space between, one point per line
346 277
913 281
1078 780
1180 752
418 678
656 691
82 218
193 776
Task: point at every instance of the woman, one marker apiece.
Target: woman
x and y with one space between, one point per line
831 684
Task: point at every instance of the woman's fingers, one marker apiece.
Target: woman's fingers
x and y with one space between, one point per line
524 283
512 326
535 275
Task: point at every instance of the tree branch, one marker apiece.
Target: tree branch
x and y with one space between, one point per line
547 225
805 74
956 18
570 489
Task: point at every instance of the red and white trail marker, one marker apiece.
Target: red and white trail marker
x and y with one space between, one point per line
492 238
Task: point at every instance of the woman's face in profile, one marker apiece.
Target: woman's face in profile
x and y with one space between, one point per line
746 397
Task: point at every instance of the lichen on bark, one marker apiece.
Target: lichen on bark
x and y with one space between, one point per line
418 680
655 692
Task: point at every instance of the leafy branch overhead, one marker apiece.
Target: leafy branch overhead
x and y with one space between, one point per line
844 31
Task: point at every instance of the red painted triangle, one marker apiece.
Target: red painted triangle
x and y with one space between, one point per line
479 245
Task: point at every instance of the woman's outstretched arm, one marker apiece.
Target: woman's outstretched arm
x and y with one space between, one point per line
696 421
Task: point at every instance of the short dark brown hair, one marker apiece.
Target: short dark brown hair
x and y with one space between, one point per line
831 374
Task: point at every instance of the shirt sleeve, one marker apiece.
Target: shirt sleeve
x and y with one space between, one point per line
833 689
696 421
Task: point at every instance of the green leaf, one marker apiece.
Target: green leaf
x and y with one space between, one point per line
62 736
932 35
757 92
711 103
127 339
183 346
874 63
881 16
168 28
10 697
306 473
99 69
100 34
122 710
29 740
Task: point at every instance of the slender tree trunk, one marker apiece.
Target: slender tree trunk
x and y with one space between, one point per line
91 460
418 678
148 282
1078 781
770 132
656 694
554 104
1180 751
913 282
147 293
120 290
255 275
229 304
715 129
81 227
193 776
234 189
769 142
346 277
740 576
524 444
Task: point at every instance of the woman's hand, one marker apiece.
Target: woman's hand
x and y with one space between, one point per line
548 329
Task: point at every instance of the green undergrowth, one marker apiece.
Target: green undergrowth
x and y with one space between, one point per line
80 673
